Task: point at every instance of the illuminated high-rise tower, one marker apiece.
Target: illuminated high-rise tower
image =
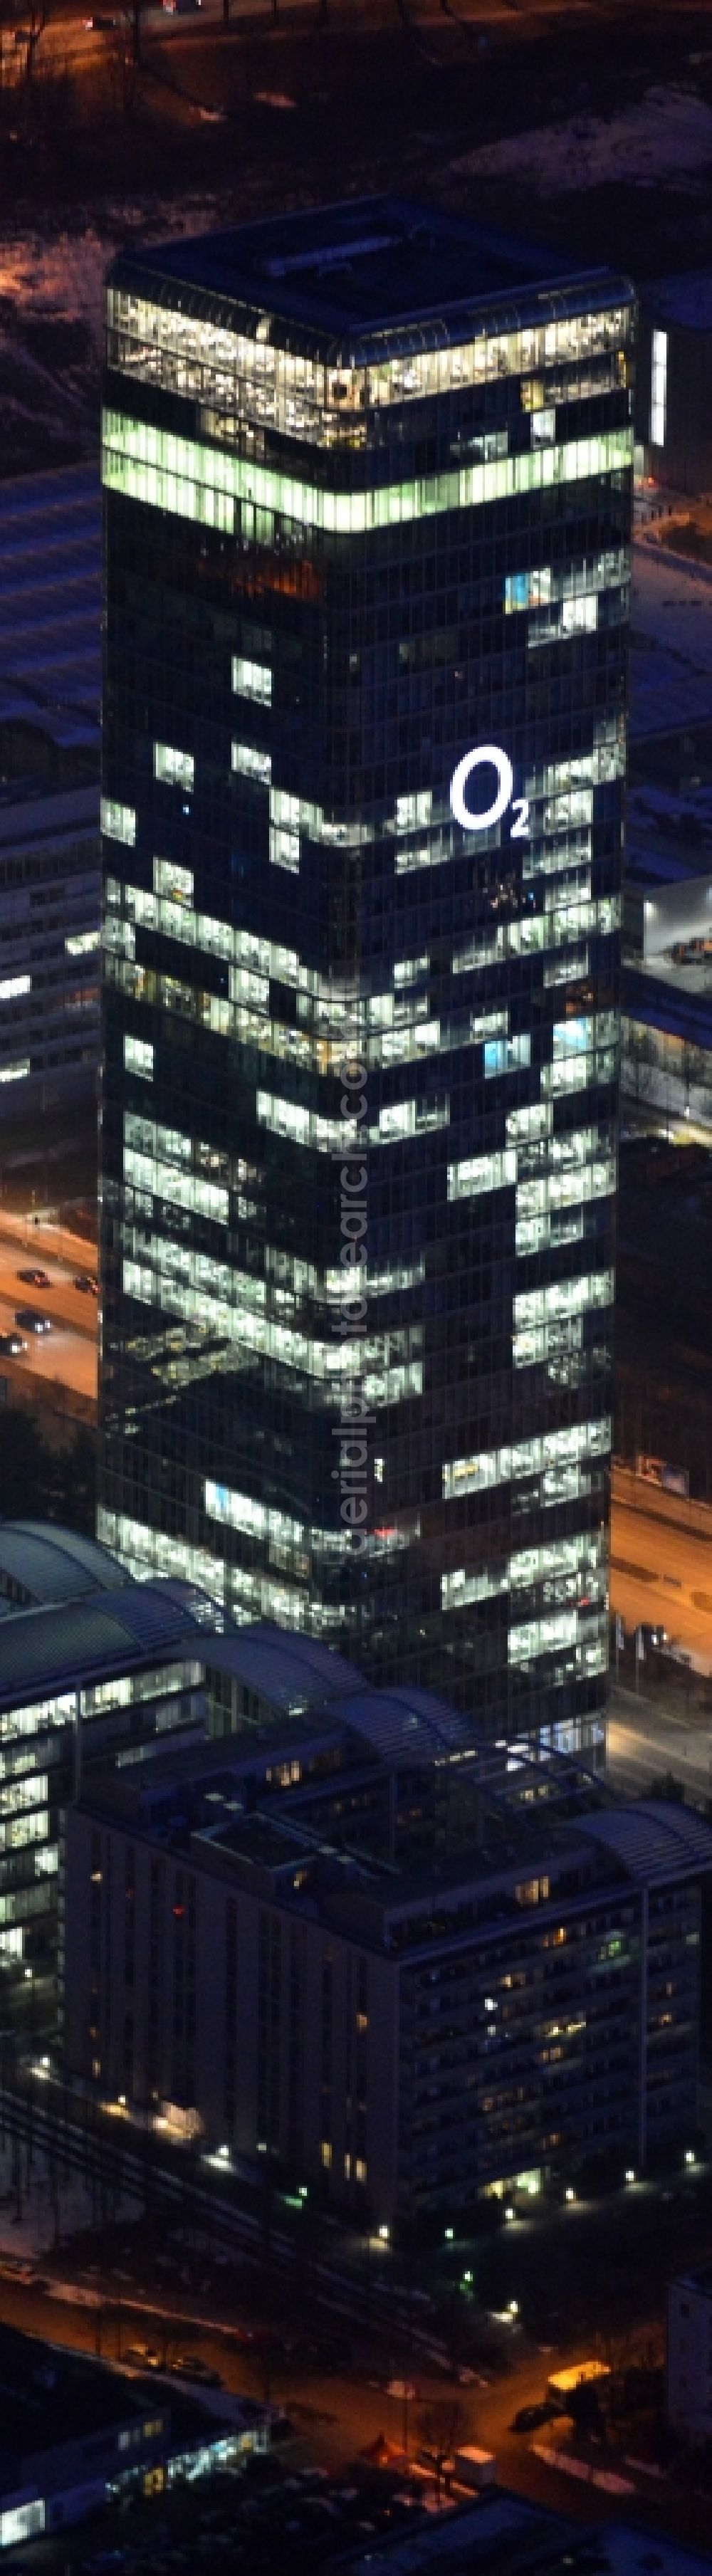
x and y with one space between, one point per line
368 480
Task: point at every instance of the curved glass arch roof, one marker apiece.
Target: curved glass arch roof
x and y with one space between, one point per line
63 1645
655 1839
46 1562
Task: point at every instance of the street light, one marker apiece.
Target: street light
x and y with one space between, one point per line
509 2214
383 2234
569 2193
449 2235
629 2174
690 2156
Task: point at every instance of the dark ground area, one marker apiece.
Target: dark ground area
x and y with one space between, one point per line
301 108
364 101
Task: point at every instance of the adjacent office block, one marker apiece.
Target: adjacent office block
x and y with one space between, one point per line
367 481
92 1672
339 1978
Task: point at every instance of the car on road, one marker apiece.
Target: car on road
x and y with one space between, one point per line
85 1281
100 26
529 2418
34 1278
191 2366
31 1321
141 2356
12 1345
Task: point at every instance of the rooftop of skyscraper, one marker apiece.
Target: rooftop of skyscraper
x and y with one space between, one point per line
372 262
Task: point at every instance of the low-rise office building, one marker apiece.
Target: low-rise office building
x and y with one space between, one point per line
408 1993
674 380
77 2436
666 986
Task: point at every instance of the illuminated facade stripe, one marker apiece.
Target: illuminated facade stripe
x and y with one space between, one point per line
204 483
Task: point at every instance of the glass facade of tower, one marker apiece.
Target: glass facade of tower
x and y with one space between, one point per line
368 491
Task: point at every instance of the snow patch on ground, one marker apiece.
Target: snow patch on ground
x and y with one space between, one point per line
63 278
669 134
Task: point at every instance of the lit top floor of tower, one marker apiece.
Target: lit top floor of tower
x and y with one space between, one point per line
368 480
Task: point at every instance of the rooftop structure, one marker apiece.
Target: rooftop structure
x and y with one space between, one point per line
368 501
356 269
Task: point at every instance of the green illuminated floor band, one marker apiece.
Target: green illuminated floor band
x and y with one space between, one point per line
205 484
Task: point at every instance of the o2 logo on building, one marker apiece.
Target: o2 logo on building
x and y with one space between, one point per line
488 756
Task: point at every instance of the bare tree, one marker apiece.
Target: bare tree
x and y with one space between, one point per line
442 2428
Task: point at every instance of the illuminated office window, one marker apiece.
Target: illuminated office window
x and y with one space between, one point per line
118 822
252 680
138 1056
176 767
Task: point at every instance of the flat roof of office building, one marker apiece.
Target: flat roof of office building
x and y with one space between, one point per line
370 264
49 2396
503 2531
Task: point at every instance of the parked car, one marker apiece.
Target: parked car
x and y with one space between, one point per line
529 2418
84 1280
651 1637
12 1345
31 1321
191 2366
141 2356
35 1278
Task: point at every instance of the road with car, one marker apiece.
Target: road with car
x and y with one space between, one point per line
661 1564
41 1268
